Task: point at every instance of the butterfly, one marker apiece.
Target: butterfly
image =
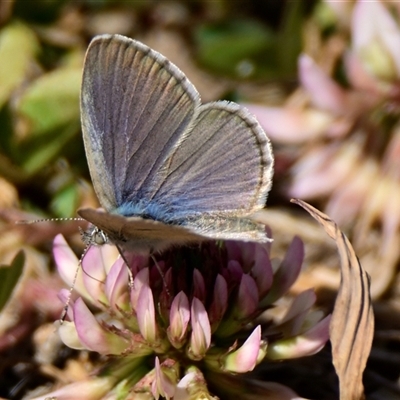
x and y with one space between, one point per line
167 169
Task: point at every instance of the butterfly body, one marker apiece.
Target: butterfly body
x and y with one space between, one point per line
167 169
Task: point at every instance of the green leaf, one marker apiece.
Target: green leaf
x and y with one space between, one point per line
65 202
234 47
9 276
289 40
38 11
52 100
39 151
18 47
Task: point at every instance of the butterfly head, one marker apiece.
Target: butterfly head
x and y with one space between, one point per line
94 236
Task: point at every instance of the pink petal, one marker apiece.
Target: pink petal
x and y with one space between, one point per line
288 271
184 385
242 252
247 299
247 356
65 297
146 316
69 335
88 389
164 299
292 125
359 77
233 250
137 262
219 303
94 273
298 315
201 331
199 287
324 91
342 9
92 334
390 159
179 319
391 220
192 386
301 303
309 343
141 279
117 284
162 385
372 22
363 23
233 273
346 203
324 169
262 271
68 264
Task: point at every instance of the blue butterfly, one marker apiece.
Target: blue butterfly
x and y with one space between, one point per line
167 169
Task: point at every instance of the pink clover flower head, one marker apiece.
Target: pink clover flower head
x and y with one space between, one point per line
188 313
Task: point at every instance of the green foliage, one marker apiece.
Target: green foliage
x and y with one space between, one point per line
52 100
225 47
9 276
245 48
18 47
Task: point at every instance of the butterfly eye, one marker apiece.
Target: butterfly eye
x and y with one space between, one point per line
99 237
94 236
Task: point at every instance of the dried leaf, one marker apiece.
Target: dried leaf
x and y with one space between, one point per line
352 324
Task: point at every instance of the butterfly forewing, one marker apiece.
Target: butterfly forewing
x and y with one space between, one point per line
135 109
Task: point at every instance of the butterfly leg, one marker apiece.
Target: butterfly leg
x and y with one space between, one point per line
121 252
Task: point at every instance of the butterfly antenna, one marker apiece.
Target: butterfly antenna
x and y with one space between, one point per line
71 289
34 221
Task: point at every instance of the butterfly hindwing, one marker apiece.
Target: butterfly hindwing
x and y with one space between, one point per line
222 167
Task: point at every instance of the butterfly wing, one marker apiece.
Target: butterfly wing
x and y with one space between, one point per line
138 234
153 149
223 165
135 108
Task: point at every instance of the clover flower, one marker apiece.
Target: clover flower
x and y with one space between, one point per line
189 324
